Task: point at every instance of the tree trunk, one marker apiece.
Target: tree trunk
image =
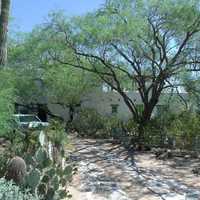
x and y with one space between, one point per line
4 17
71 114
143 121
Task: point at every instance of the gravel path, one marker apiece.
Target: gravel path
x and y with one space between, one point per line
108 172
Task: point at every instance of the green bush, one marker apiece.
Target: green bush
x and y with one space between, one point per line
7 100
114 128
181 130
155 133
10 191
185 128
91 124
3 164
88 122
56 133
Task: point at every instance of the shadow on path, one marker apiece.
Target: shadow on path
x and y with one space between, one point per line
111 172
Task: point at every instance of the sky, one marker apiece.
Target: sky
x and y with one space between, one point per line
28 13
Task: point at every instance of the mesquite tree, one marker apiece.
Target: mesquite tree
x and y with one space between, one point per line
38 79
146 42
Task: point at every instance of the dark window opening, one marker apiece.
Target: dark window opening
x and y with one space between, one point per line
42 114
114 108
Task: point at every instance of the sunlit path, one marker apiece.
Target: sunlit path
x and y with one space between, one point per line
108 171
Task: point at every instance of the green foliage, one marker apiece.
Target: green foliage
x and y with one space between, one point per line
56 133
9 191
38 74
88 122
67 91
41 157
186 129
155 133
128 41
7 99
28 86
4 157
113 127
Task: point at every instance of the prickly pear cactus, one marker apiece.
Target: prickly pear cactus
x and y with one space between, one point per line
42 158
33 179
47 178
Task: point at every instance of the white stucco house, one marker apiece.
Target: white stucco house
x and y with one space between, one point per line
108 103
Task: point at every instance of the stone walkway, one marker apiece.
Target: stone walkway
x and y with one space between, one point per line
108 172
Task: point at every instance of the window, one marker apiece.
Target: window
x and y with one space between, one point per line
114 108
28 118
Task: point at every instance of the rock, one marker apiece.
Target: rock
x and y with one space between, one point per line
196 171
194 154
166 155
158 151
2 140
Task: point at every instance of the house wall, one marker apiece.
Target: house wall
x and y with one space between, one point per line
102 101
58 110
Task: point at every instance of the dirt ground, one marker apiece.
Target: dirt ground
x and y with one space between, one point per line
107 171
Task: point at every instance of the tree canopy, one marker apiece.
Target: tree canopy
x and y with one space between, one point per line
146 42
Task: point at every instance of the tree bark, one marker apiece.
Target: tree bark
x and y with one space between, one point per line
4 17
71 113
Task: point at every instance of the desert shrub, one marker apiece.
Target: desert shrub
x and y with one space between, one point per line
10 191
91 124
4 157
155 133
111 125
115 129
179 130
56 133
185 128
88 122
24 143
131 127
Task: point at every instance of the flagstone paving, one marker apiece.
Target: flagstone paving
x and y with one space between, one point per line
107 171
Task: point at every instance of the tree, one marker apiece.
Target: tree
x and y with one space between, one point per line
4 16
7 100
191 84
28 55
146 42
7 78
25 65
68 87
